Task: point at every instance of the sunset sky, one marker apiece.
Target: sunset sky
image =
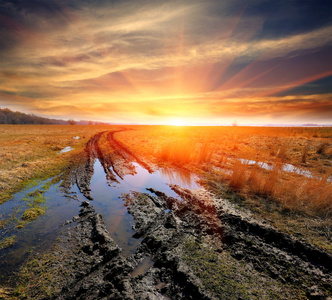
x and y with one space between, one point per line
161 62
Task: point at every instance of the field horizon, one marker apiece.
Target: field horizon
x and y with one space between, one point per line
280 176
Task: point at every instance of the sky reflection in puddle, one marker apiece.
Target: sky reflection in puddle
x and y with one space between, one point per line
108 199
41 233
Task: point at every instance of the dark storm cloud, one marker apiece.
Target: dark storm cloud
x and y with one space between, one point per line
290 17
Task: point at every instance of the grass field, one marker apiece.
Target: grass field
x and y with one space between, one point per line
288 165
243 164
30 152
297 202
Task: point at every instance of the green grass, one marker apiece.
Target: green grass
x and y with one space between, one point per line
33 213
226 278
41 276
7 242
34 200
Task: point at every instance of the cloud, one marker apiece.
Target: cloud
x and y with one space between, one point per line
317 107
135 53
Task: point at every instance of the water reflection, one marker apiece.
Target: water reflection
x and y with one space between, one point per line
142 267
103 178
39 234
284 167
180 177
108 200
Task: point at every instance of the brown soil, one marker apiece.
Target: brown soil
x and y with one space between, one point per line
230 250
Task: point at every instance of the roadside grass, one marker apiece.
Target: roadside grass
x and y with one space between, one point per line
316 228
302 201
208 148
299 193
41 276
265 143
184 151
227 278
30 152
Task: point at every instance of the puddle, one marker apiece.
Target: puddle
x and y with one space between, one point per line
62 206
108 199
66 149
142 267
285 168
39 234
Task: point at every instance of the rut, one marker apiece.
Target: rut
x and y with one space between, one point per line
163 223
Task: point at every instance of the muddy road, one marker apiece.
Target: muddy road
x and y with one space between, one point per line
190 245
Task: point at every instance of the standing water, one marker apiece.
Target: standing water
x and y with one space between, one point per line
63 205
109 203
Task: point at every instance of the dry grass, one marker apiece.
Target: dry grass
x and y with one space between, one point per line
297 193
211 148
32 151
238 177
184 151
252 143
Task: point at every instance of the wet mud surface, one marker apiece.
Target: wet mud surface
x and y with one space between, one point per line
101 271
157 269
116 162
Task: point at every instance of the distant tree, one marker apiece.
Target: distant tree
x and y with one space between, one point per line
71 122
10 117
15 117
234 123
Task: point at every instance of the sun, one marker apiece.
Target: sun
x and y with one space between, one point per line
177 122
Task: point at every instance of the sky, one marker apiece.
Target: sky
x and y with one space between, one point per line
168 62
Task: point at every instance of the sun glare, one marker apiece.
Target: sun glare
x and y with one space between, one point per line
177 122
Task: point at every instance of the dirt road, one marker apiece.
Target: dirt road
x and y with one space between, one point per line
191 247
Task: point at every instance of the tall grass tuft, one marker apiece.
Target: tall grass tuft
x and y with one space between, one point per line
304 154
205 153
322 148
238 178
283 153
299 193
185 151
262 182
271 179
256 181
307 194
177 152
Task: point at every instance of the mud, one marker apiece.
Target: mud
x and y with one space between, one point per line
116 162
278 254
101 271
98 270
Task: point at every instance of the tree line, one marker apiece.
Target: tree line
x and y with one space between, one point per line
8 116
